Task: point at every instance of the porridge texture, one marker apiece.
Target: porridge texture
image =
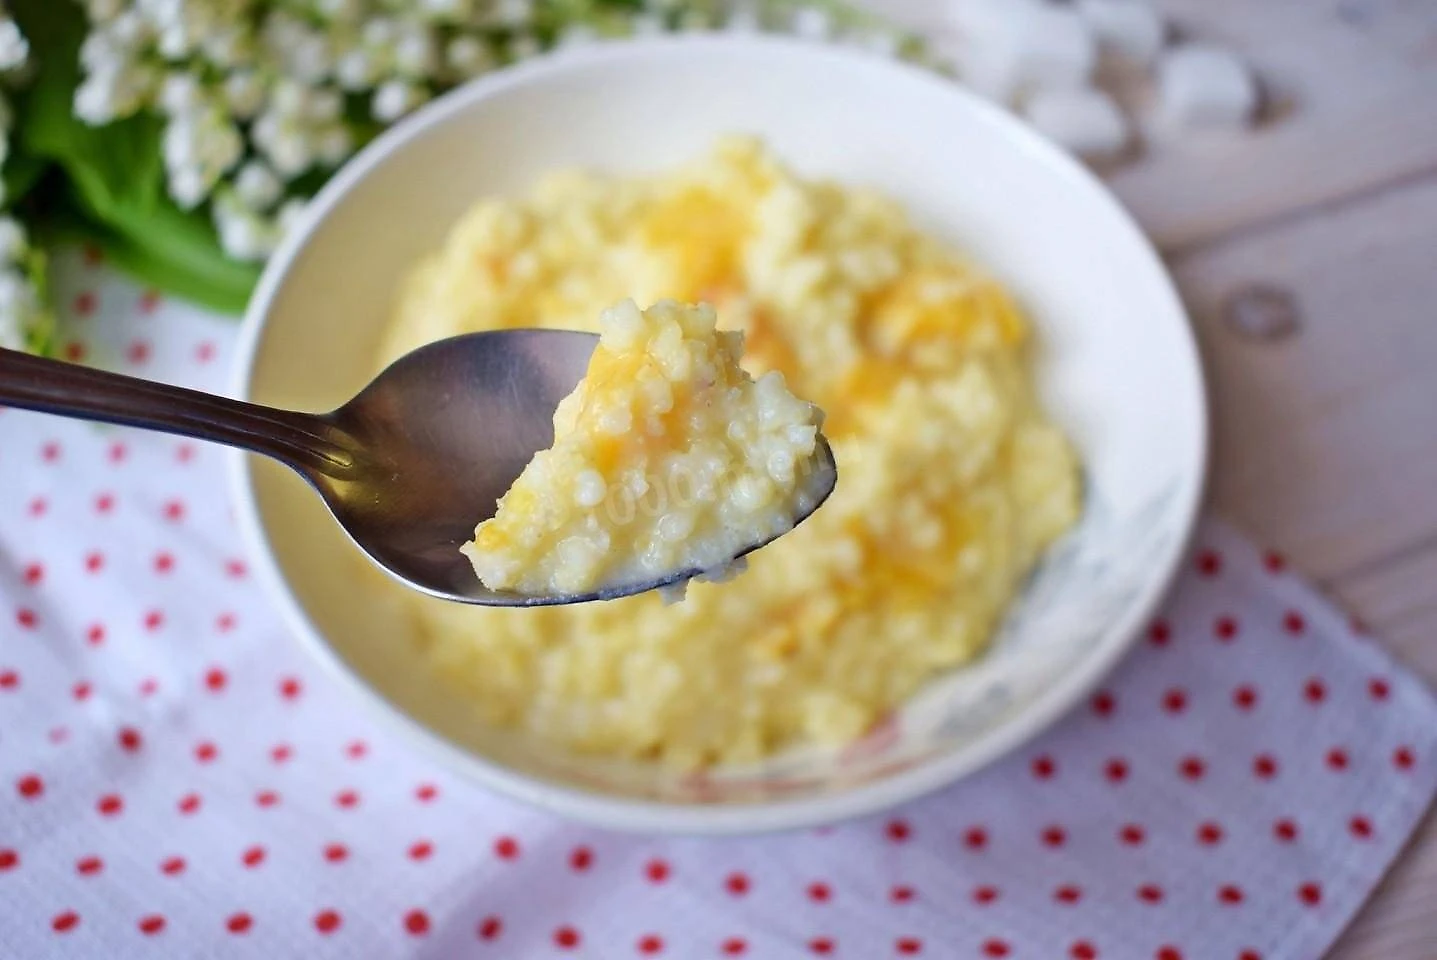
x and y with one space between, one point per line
951 480
667 457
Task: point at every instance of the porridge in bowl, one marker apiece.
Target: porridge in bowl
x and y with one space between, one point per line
953 482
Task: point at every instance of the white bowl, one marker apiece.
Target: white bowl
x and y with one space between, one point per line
1117 368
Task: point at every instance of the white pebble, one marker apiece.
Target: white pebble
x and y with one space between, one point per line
1015 46
1084 120
1133 29
1205 86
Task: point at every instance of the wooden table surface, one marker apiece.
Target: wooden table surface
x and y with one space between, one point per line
1326 440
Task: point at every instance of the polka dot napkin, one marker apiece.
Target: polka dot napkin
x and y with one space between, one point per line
177 781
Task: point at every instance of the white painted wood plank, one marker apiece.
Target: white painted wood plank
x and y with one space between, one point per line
1356 81
1326 443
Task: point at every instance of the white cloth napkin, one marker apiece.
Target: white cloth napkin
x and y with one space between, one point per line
177 781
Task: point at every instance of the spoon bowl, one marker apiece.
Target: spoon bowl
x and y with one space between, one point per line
410 465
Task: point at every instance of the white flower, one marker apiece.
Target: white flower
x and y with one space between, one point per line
180 93
414 52
576 35
523 46
356 69
102 10
284 141
244 93
743 18
646 25
449 11
198 149
511 13
344 11
14 48
13 243
114 92
468 56
292 215
228 47
811 23
244 234
394 98
257 186
324 106
334 145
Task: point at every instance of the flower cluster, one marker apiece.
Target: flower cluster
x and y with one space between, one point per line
22 312
260 95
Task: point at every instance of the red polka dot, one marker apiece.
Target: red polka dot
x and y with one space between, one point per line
1378 689
734 947
1104 703
75 351
1168 953
110 805
737 884
1264 766
1209 563
1230 895
154 620
253 857
37 507
1150 893
657 871
148 686
138 352
1314 691
908 946
902 894
184 451
216 679
105 502
416 922
975 838
1337 759
152 925
1403 758
506 848
1116 770
1293 623
89 866
1225 628
426 792
650 944
189 803
820 892
65 922
1274 561
1360 827
9 859
172 866
239 923
1310 894
95 635
1068 894
266 798
327 921
30 786
206 751
9 679
995 948
117 452
1249 955
347 799
50 452
1132 835
94 561
1054 836
236 568
336 852
81 690
489 928
985 895
898 830
1083 950
566 938
1044 767
356 750
33 574
84 303
1192 768
205 352
421 850
1159 634
1209 834
225 622
281 752
822 946
1175 700
1285 830
149 301
58 735
580 859
27 618
1244 697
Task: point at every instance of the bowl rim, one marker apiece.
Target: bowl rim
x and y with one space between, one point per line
648 816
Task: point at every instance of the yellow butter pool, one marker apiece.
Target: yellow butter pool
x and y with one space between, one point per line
951 484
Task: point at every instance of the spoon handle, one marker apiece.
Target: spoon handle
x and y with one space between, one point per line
301 440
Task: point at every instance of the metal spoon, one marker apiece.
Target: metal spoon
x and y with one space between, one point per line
409 466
